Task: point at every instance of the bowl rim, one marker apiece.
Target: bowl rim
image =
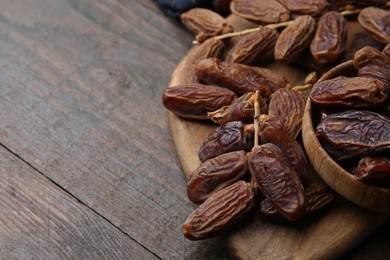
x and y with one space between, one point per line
340 180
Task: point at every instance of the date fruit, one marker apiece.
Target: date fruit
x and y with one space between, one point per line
345 92
260 11
238 77
219 211
251 48
368 56
205 23
309 7
210 48
330 38
226 138
376 22
215 174
354 133
242 109
288 105
294 39
277 180
374 170
272 131
194 101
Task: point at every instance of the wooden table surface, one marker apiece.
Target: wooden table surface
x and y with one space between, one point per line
88 169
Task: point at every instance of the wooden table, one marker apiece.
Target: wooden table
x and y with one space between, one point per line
88 169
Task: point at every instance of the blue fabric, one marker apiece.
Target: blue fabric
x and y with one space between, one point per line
174 8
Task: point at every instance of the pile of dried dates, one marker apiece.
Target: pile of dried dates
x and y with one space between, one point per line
254 158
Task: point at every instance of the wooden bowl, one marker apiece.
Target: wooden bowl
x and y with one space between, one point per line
340 180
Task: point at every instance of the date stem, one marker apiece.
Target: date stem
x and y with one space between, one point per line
256 118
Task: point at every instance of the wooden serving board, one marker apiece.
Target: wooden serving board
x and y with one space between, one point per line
330 234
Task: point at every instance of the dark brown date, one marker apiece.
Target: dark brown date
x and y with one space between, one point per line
330 38
288 105
318 195
294 39
374 170
277 180
239 78
272 131
309 7
372 63
354 133
226 138
345 92
376 22
242 109
194 101
251 48
260 11
215 174
219 211
368 56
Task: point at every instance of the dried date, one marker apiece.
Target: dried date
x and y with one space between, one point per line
288 105
219 211
226 138
376 22
251 48
210 48
277 180
215 174
374 170
330 38
205 23
354 133
239 78
309 7
242 109
260 11
345 92
194 101
271 130
386 50
294 39
368 56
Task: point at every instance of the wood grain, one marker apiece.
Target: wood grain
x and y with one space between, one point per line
81 85
37 218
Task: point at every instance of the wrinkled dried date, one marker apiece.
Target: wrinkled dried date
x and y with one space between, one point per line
210 48
374 170
194 101
345 92
354 133
260 11
239 78
251 48
272 131
376 22
330 38
219 211
242 109
372 63
318 195
277 180
205 23
309 7
288 105
294 39
215 174
226 138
